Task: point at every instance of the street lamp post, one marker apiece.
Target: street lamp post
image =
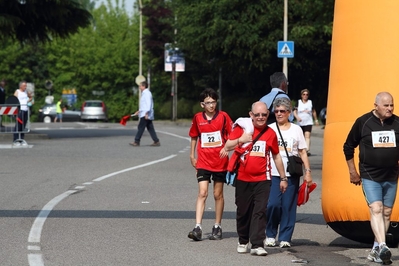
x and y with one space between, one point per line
285 67
140 78
141 39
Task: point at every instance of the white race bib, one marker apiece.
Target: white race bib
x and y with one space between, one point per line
211 139
289 144
383 139
258 149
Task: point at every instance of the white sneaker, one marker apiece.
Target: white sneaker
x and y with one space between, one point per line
243 248
285 244
373 255
270 242
258 251
17 143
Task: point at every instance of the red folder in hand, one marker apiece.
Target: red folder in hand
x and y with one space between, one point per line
304 192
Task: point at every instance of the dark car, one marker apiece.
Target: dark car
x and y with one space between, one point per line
48 112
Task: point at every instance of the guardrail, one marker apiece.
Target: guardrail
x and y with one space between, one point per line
15 119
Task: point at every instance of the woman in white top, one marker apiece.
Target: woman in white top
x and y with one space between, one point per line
24 98
304 114
281 207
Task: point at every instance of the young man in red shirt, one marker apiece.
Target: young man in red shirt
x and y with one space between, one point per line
209 132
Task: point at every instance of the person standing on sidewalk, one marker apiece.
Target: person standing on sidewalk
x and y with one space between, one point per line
376 133
2 97
209 131
146 115
22 118
58 110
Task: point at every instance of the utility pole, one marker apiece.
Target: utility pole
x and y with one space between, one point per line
140 78
285 64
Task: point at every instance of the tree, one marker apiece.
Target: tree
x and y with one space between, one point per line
41 20
103 57
241 38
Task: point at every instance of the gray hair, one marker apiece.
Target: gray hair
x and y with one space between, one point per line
21 82
381 95
277 78
282 101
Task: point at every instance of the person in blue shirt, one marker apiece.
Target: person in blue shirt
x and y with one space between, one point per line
146 115
279 84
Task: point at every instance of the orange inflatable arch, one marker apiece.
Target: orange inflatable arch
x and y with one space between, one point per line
364 61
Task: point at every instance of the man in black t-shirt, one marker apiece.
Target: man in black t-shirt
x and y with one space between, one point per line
376 133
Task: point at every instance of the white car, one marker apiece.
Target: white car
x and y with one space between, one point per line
94 110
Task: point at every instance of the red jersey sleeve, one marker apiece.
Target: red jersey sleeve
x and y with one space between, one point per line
194 132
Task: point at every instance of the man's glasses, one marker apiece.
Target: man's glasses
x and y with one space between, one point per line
305 94
209 103
280 111
261 114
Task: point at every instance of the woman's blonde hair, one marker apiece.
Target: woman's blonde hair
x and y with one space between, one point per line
305 90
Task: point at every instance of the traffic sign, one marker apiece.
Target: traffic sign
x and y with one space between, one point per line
285 49
139 79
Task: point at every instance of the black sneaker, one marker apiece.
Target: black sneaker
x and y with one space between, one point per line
216 233
196 234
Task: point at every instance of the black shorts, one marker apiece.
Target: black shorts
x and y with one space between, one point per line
205 175
307 128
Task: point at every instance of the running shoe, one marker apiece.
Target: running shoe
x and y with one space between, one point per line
285 244
216 233
373 255
270 242
260 251
385 255
196 234
243 248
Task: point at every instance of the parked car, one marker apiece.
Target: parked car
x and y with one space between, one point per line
94 110
48 112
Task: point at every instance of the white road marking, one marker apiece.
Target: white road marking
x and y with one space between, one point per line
36 259
101 178
36 230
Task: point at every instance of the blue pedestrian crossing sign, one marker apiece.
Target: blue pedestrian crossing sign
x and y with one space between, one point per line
285 49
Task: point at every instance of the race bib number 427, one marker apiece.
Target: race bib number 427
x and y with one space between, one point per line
383 139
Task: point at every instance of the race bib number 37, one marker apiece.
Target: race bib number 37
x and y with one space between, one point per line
258 149
383 139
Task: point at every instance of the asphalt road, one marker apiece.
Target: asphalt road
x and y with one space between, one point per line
99 201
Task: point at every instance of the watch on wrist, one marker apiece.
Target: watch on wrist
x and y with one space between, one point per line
308 170
284 178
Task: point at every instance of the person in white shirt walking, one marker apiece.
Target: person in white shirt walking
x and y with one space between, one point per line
305 114
146 115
